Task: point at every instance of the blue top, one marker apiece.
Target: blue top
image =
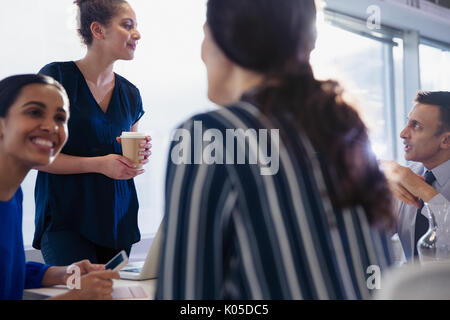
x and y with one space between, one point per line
101 209
15 274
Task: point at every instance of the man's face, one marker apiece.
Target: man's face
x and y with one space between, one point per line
419 136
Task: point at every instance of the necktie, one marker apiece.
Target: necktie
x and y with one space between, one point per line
422 222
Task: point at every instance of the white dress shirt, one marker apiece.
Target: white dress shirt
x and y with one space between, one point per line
407 213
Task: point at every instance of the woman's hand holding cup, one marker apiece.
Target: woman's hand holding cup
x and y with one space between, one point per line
145 150
118 167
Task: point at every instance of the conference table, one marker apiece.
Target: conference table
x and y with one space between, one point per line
123 290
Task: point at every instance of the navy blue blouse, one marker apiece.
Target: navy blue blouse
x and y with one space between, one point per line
15 274
99 208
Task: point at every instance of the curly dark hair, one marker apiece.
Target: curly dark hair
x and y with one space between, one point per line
101 11
275 38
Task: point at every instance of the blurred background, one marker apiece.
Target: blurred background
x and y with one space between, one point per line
382 52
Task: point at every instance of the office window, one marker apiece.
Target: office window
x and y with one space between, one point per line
434 68
365 67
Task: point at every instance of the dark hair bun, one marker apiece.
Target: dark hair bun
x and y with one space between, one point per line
101 11
263 35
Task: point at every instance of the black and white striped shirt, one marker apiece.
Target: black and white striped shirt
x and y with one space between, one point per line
234 233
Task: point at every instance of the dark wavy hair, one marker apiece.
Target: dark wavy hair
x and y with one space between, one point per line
101 11
275 38
11 87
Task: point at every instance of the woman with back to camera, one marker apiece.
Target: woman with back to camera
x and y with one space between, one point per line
306 228
86 200
34 110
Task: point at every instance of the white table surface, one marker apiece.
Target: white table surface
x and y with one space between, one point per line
149 287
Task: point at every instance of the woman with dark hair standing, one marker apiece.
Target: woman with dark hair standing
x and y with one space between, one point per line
86 201
34 110
305 223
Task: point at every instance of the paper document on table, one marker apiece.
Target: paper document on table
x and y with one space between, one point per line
135 292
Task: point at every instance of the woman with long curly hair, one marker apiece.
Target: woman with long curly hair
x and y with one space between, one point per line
305 222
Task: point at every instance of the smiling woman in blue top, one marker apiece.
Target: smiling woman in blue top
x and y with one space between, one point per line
86 200
33 128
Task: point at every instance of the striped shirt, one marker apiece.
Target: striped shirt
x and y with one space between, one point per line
232 232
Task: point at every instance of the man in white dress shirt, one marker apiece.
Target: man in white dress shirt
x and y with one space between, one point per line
427 142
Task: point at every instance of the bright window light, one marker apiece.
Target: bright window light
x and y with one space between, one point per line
358 63
434 68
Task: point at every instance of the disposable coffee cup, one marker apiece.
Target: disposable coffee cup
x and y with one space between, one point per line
130 146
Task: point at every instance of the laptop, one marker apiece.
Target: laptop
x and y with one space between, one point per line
147 269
